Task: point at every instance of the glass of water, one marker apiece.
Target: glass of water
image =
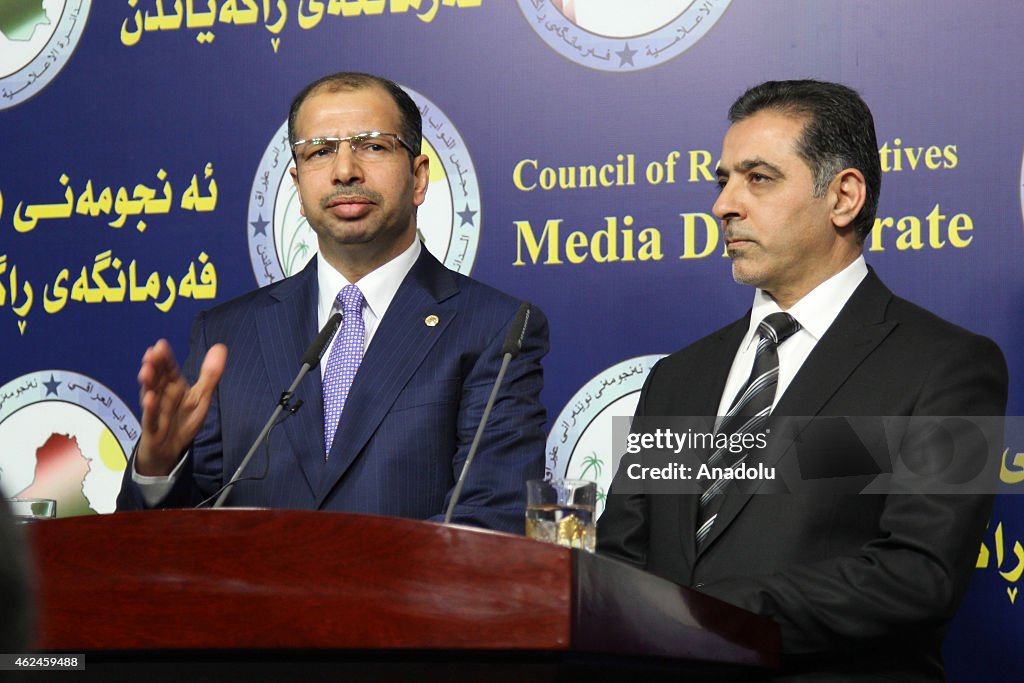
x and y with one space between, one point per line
32 509
562 511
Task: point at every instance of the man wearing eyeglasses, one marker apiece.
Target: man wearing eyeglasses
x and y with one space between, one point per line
388 420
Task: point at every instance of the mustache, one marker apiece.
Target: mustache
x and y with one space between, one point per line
349 191
731 232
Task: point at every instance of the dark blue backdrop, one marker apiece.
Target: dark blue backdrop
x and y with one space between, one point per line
102 94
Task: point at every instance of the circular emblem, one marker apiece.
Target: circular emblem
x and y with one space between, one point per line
580 444
281 241
67 437
36 39
611 35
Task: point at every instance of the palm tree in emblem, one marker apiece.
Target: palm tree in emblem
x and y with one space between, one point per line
592 462
295 254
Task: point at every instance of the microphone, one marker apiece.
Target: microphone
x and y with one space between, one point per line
310 360
318 348
509 349
513 343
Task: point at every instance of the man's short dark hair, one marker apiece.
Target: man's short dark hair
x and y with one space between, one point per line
411 122
839 134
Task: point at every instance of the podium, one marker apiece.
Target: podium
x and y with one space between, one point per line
284 595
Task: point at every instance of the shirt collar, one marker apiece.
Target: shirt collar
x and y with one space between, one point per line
378 287
817 310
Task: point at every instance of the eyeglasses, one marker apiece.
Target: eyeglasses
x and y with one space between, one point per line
370 147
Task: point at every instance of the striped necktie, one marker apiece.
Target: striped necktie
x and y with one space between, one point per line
749 411
346 354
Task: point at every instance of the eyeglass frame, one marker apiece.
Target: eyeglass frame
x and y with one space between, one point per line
351 139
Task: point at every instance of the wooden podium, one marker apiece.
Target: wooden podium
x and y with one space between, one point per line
282 595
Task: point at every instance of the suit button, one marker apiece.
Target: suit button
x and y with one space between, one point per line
699 586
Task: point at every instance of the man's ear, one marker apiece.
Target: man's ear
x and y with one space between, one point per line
421 178
295 181
849 192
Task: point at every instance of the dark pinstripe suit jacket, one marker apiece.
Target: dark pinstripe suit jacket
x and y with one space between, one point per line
409 419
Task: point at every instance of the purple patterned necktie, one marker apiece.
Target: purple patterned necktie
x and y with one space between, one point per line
346 354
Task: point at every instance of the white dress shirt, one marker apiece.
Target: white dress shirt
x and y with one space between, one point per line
378 287
815 312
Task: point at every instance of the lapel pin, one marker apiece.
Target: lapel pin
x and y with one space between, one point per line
431 321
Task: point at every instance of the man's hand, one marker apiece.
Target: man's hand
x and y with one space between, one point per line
172 411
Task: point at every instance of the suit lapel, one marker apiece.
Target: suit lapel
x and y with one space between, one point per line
285 329
399 345
856 332
715 367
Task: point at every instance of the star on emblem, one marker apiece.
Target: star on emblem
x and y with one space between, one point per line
51 386
626 56
467 216
259 226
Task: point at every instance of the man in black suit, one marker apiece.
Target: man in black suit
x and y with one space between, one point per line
861 586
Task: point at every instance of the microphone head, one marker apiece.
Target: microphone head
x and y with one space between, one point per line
517 331
316 350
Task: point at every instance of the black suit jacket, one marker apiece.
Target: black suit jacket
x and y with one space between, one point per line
859 584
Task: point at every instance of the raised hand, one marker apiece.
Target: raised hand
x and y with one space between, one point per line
172 411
